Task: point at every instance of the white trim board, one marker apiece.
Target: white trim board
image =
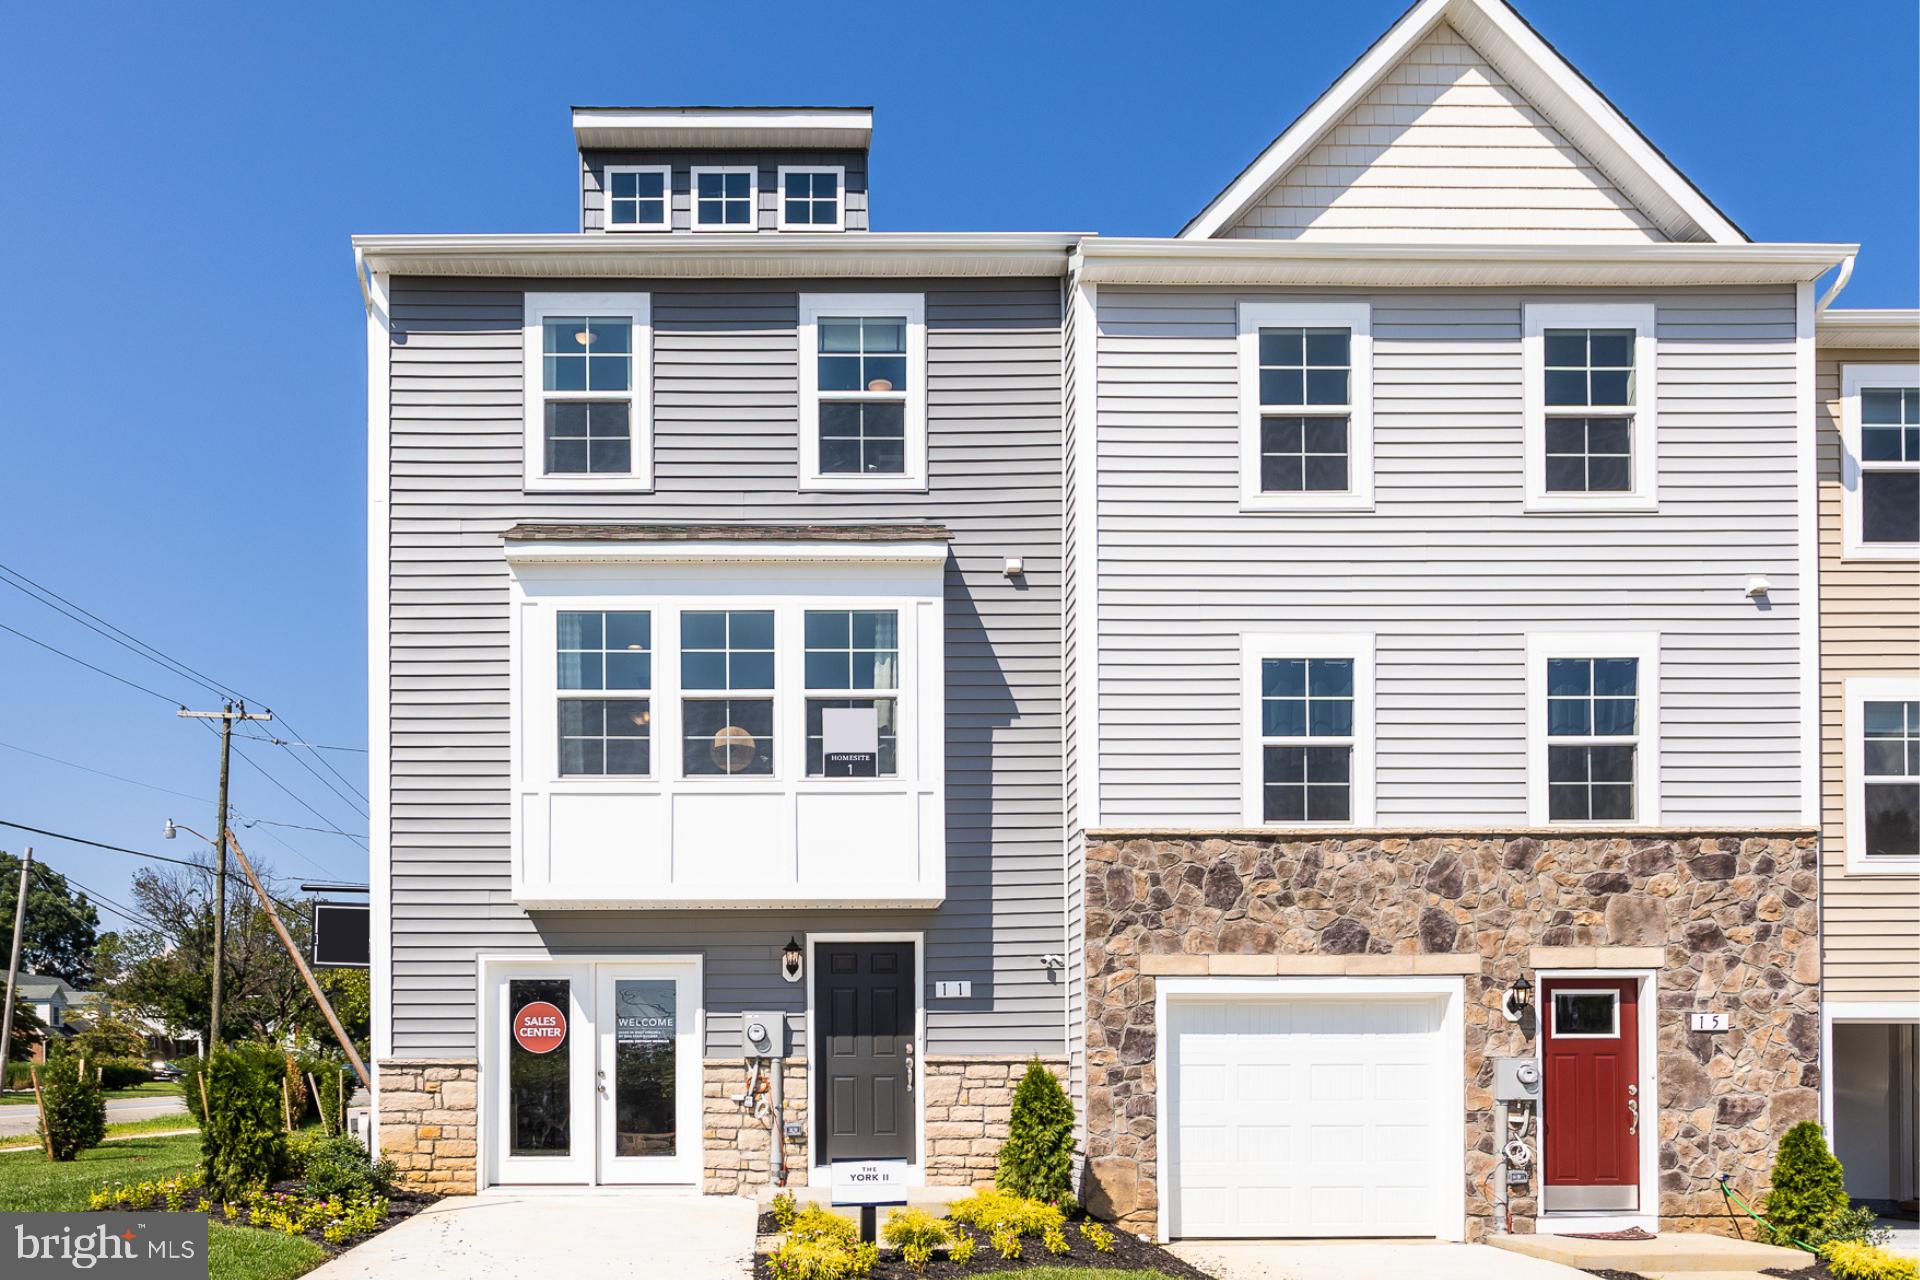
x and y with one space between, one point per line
1450 1217
820 1175
1539 72
379 684
1836 1011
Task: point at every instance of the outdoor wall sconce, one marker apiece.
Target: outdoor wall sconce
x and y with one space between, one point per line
790 960
1514 1004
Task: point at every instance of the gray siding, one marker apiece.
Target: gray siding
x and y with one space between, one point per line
593 186
1448 570
726 447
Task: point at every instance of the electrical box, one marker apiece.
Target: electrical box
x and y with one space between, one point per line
1516 1080
763 1034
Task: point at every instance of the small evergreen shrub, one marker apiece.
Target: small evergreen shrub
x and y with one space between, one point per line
73 1108
1037 1158
122 1073
1853 1226
1855 1260
1809 1187
340 1166
242 1148
330 1089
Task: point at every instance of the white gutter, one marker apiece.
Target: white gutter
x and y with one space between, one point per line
1833 290
1888 327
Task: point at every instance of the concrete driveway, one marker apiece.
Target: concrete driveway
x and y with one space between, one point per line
20 1119
1345 1260
575 1234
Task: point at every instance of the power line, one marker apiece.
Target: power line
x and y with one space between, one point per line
172 702
328 764
96 899
344 798
67 609
263 772
95 844
285 742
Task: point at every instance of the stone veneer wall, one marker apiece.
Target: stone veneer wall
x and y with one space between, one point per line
735 1139
1730 920
429 1117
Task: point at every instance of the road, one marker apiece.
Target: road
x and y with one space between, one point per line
18 1120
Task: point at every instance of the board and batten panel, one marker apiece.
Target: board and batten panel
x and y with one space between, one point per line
1869 626
727 448
1444 148
1448 570
765 163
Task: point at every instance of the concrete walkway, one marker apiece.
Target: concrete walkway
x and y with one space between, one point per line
514 1235
1348 1260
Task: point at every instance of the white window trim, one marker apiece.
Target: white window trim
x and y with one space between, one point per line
1260 645
1553 1012
1854 377
753 197
635 307
817 306
1641 317
606 198
1643 645
839 222
1354 316
1858 692
552 665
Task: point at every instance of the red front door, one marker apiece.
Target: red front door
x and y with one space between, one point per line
1590 1044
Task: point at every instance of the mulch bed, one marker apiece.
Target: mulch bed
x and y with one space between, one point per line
1130 1253
1617 1275
401 1205
1818 1271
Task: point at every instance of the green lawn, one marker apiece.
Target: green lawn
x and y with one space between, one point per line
128 1128
30 1183
151 1089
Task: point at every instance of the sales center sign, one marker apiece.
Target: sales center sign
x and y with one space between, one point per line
539 1027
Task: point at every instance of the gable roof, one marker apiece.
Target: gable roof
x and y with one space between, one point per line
1535 68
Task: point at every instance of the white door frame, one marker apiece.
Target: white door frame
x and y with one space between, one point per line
686 1165
581 1169
820 1175
1832 1011
1450 1218
1647 1217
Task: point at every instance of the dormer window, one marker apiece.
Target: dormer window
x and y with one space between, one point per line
723 199
810 199
637 197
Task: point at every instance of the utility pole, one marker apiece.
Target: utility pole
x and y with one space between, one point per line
226 717
13 965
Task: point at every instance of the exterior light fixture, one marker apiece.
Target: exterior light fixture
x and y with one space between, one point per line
790 960
169 831
1518 997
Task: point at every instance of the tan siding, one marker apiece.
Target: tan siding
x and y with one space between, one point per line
1869 626
1444 148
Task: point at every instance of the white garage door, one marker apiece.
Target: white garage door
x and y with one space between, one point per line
1309 1116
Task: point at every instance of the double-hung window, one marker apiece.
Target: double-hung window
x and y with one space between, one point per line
1308 757
1306 413
603 673
1590 400
862 391
1882 724
853 674
637 197
724 199
812 199
1880 461
1593 728
588 370
727 692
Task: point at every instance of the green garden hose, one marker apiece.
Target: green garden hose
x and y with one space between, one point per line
1734 1197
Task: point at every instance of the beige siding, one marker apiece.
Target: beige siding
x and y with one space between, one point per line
1444 148
1869 626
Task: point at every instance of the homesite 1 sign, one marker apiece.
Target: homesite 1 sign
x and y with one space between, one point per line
869 1182
539 1027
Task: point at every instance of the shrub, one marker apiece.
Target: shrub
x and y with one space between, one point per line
818 1223
122 1073
1098 1236
340 1166
916 1233
1037 1158
1854 1225
241 1146
1809 1187
294 1105
1854 1260
960 1252
831 1257
1006 1243
329 1090
1055 1240
73 1110
991 1211
784 1209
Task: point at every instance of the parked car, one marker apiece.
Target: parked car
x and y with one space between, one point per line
164 1070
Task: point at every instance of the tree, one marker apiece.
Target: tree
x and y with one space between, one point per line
351 995
1037 1158
28 1030
112 1030
62 926
1809 1186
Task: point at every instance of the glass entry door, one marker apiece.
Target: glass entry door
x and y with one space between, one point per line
647 1080
543 1075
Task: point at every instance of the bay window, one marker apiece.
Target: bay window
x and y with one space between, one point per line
604 668
727 688
854 654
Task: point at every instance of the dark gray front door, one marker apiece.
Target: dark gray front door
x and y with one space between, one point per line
864 997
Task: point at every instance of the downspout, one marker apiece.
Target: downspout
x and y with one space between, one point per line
1833 290
360 277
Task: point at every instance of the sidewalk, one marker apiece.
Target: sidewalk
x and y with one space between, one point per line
528 1234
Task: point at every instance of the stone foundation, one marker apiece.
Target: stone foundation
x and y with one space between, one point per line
1727 921
968 1103
429 1111
735 1140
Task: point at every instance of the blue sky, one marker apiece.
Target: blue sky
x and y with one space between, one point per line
181 363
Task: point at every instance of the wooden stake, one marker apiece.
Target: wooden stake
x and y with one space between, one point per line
320 1106
286 1105
340 1103
39 1105
300 963
206 1108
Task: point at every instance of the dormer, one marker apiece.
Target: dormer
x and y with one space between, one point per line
722 170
